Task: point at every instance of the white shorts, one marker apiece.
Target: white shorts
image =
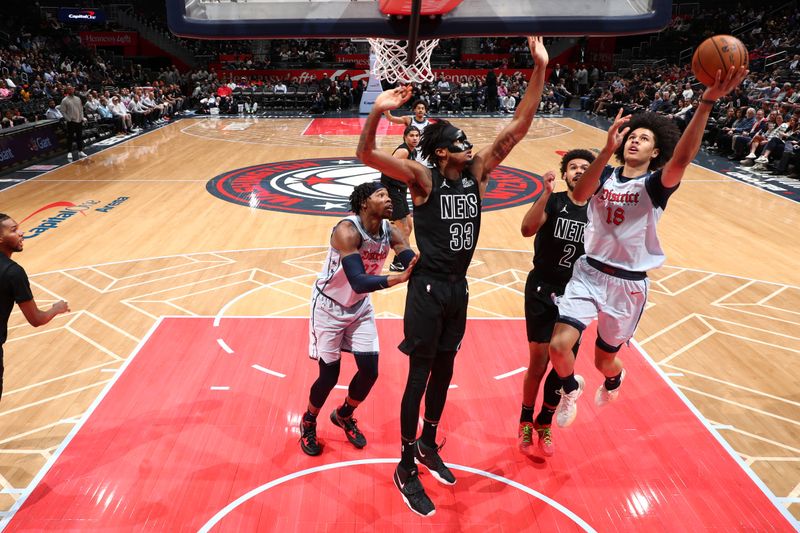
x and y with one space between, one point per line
616 303
334 329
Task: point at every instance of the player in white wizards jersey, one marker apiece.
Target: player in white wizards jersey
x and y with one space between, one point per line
625 204
342 318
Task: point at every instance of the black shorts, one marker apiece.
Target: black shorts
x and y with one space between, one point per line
399 197
435 316
541 312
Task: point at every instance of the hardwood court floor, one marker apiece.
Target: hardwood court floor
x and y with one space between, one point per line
722 321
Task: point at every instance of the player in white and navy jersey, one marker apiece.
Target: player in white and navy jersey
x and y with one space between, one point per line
342 318
625 204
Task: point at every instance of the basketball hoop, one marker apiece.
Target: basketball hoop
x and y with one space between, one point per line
393 64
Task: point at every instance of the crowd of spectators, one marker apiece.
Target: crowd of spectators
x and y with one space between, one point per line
756 124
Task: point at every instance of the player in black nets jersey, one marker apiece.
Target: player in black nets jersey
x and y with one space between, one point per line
447 218
398 190
15 288
558 222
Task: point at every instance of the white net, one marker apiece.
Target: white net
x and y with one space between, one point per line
391 61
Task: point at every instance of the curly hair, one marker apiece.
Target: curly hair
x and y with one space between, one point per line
433 138
575 154
417 102
665 132
360 194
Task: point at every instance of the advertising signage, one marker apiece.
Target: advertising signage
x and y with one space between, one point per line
74 14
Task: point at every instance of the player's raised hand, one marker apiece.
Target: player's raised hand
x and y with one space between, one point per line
615 136
538 51
725 84
392 99
549 181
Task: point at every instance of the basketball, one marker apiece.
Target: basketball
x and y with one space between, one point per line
715 53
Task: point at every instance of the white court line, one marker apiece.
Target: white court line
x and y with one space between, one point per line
674 374
220 388
214 520
735 456
680 371
268 371
513 372
46 468
341 387
223 345
722 426
326 246
453 386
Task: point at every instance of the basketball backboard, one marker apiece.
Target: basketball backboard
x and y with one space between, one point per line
267 19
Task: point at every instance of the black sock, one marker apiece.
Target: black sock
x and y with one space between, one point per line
527 414
346 410
613 382
309 418
569 383
407 455
545 416
428 436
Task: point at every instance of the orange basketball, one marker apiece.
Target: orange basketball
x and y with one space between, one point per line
715 53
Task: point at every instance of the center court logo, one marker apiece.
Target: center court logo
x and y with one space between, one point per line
323 186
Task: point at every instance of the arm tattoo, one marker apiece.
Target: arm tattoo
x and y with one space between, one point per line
503 147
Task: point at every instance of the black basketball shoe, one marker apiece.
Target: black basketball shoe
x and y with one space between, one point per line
431 459
308 438
410 487
350 428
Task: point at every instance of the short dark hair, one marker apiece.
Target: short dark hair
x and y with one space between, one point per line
666 135
432 138
360 194
409 129
417 102
578 153
3 217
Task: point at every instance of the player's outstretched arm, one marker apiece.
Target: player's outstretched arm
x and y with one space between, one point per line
346 240
405 121
36 317
536 216
407 171
590 181
689 143
491 156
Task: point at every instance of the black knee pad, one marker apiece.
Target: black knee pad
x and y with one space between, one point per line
603 345
322 387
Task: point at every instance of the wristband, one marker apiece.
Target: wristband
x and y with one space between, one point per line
706 101
406 256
